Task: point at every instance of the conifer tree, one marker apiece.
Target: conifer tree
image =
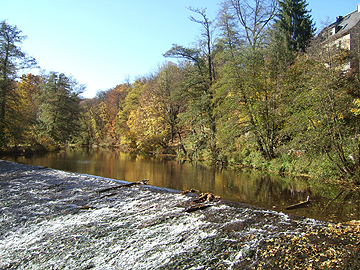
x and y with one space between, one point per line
60 111
295 22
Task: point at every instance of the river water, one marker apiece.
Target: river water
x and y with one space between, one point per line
51 219
269 191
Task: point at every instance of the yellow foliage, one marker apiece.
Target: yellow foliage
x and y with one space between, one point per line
356 111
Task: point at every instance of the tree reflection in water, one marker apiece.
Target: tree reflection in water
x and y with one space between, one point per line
251 187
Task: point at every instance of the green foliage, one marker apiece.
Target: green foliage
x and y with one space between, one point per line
252 159
199 118
59 111
320 120
257 94
323 168
87 133
295 22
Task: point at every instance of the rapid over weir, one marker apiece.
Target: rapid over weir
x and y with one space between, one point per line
51 219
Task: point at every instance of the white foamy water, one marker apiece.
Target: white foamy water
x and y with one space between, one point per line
139 227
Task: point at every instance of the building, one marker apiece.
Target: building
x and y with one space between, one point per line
344 34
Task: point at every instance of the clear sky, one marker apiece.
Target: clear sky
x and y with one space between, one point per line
101 43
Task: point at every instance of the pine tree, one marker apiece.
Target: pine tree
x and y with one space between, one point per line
60 110
295 22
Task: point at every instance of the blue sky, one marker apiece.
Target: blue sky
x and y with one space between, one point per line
103 42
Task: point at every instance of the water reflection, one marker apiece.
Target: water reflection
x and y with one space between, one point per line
246 186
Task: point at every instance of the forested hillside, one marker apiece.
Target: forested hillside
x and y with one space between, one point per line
257 90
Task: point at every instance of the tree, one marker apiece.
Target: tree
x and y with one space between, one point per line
24 117
320 118
60 111
207 41
248 92
129 108
87 135
104 114
12 60
254 16
198 88
156 120
295 22
230 38
147 124
202 54
167 94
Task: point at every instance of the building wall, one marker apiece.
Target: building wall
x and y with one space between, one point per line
355 36
355 46
343 42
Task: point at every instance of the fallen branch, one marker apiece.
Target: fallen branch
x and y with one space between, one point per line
298 205
142 182
337 196
108 195
206 197
194 208
86 207
41 168
189 191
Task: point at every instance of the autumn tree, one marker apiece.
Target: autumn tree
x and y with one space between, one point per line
105 114
147 124
127 111
97 116
156 121
167 90
26 109
248 92
198 88
12 60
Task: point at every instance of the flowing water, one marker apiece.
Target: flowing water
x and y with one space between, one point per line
251 187
52 219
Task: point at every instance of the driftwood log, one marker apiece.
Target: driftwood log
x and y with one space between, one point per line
142 182
203 197
108 195
86 207
298 205
194 208
189 191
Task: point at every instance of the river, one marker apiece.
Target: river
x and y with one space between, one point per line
252 187
52 219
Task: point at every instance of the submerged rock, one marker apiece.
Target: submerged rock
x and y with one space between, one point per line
56 220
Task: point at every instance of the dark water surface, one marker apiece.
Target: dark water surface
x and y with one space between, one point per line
251 187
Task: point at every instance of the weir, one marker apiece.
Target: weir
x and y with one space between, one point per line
53 219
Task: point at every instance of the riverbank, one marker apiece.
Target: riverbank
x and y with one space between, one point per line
56 219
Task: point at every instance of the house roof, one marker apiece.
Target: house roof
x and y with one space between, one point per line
342 25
